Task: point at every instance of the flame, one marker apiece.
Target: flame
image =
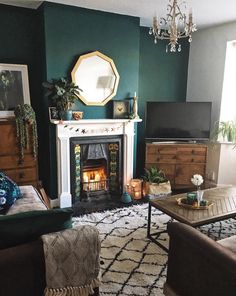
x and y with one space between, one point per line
94 179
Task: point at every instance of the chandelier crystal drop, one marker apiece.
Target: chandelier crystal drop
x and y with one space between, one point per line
174 26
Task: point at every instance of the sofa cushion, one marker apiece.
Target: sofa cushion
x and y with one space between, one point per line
11 189
229 243
28 226
30 201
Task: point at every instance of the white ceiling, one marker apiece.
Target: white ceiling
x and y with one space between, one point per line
206 12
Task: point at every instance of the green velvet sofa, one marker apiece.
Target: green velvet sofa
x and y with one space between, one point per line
22 263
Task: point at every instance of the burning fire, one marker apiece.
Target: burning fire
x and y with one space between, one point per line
94 179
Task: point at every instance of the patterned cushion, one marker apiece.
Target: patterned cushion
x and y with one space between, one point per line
11 189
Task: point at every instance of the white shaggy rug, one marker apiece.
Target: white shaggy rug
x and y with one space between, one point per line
130 263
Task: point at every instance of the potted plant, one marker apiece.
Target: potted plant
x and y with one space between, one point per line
155 182
63 94
225 130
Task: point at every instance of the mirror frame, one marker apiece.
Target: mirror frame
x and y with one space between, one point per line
113 67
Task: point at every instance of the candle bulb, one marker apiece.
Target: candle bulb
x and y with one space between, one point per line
190 16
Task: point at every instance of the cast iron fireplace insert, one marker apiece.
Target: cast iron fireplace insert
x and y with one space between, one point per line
96 165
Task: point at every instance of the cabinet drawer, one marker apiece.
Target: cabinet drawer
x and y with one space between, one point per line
191 150
9 162
9 144
151 149
188 158
184 173
169 158
22 175
160 149
167 149
168 169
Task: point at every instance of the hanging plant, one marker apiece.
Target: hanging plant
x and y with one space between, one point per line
26 121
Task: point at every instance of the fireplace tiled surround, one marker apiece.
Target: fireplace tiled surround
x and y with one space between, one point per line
91 128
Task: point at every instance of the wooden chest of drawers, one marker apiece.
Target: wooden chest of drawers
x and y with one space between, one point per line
25 173
178 161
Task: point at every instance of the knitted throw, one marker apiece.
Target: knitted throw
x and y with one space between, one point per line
72 261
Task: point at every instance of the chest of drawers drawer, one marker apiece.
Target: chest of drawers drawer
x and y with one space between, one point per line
22 175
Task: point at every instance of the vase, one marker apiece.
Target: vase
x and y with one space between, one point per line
126 198
199 196
66 115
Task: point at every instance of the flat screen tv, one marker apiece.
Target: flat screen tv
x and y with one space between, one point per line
190 121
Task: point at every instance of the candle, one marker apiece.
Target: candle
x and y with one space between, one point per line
135 94
137 194
190 16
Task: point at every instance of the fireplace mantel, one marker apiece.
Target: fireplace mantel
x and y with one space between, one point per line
87 128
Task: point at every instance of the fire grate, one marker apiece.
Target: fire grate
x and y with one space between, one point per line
95 185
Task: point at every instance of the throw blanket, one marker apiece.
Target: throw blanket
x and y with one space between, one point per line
72 261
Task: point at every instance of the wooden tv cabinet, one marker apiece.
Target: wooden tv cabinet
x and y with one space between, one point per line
178 161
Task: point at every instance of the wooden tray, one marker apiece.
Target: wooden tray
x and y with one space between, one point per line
180 203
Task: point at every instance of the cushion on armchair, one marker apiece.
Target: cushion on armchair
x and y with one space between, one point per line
12 191
27 226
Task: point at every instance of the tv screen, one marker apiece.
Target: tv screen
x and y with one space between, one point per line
178 120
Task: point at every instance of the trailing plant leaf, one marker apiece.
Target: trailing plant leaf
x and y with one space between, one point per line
26 120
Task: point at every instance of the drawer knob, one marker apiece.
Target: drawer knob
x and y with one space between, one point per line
192 160
21 175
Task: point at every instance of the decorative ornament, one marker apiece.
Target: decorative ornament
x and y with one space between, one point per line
134 114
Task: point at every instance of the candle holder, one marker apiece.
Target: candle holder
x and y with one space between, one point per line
135 188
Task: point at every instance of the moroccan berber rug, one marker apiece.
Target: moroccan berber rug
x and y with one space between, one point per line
130 263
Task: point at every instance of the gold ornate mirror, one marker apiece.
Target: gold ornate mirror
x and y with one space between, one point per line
97 76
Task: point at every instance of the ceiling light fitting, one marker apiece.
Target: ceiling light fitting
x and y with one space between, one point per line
174 26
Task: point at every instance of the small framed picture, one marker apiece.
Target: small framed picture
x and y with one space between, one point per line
53 113
121 109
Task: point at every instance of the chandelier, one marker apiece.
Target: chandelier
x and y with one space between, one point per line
173 27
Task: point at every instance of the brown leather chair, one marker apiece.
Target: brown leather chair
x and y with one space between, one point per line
198 265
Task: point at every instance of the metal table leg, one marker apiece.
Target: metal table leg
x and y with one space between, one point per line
157 234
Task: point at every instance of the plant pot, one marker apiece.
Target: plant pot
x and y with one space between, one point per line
66 115
158 189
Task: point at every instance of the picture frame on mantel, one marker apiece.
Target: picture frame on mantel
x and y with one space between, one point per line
121 109
53 113
14 88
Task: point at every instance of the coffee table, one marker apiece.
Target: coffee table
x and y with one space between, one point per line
224 207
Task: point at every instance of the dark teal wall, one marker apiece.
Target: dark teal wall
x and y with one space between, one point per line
51 39
72 31
162 77
21 43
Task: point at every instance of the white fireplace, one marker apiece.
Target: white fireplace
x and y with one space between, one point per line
87 128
